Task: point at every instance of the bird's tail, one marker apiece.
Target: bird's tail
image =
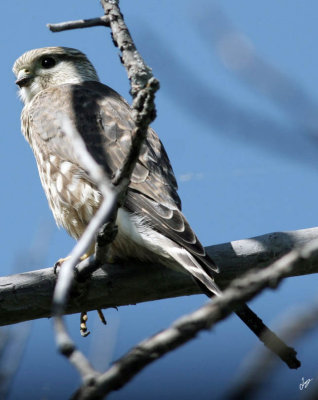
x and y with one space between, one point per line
254 323
268 337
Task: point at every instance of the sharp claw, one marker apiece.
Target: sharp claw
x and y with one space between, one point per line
83 319
57 266
101 316
59 263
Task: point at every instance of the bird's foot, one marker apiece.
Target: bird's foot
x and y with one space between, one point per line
60 261
83 320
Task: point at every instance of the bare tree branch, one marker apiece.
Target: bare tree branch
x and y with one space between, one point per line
82 23
187 327
99 176
65 278
29 295
143 89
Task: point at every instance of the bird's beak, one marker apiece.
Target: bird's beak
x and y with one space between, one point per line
24 78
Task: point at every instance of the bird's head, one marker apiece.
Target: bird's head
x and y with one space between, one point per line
40 69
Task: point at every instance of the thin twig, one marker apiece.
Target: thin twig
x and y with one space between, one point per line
99 176
187 327
69 350
66 275
138 72
143 88
82 23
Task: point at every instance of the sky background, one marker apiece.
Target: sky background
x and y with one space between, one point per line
237 113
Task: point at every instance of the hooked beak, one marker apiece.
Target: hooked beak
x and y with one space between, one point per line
24 78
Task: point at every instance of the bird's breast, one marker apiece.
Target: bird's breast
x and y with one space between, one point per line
72 198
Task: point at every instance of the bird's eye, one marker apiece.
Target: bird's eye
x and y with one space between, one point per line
48 62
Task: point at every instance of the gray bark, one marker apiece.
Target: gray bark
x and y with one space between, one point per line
28 295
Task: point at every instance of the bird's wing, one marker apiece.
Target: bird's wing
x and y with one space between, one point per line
104 120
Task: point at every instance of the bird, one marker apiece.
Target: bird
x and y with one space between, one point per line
60 84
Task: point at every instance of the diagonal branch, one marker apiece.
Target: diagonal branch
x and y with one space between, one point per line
66 276
99 176
187 327
143 88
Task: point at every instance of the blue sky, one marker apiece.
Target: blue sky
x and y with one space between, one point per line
237 103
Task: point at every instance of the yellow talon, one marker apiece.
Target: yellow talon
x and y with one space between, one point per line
83 322
60 261
83 318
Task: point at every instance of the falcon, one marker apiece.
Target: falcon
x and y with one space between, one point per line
60 84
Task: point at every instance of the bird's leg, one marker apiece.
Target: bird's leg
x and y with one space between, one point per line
83 318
